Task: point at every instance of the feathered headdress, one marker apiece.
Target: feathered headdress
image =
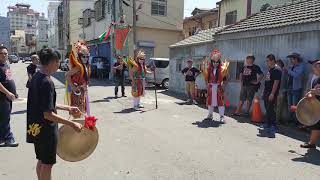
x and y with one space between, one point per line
215 54
141 54
79 48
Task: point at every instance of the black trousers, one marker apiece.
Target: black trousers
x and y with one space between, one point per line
119 82
270 107
5 112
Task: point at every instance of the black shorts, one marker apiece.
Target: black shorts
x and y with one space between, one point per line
46 151
316 126
247 93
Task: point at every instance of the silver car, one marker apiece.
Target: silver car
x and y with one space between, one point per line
162 71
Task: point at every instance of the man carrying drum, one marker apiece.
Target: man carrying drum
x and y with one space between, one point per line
314 92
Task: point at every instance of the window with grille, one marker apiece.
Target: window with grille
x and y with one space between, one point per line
86 17
231 17
99 7
159 7
234 69
179 65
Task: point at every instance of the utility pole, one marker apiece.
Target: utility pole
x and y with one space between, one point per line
134 27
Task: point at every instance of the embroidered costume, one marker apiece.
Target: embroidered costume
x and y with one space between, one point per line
78 78
216 77
138 72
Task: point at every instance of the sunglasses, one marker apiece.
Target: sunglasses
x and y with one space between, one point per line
84 56
142 59
216 62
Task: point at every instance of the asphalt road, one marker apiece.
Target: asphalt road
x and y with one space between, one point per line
169 143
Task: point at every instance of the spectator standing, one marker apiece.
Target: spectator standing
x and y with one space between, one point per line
118 69
282 101
100 69
7 95
32 68
250 77
270 93
190 74
295 83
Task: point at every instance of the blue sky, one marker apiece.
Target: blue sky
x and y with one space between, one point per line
41 5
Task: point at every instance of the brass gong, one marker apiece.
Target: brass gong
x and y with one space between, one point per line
75 146
308 111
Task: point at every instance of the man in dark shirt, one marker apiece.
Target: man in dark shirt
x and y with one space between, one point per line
7 95
32 68
119 68
250 77
42 118
314 92
270 93
190 74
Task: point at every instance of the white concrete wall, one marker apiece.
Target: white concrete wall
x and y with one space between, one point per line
237 47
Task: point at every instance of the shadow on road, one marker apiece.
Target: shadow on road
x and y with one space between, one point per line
207 123
312 156
292 132
127 111
19 112
60 76
107 99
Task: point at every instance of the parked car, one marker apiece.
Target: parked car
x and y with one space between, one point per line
26 59
64 65
106 66
162 70
13 59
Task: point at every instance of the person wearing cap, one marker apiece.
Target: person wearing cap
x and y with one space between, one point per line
314 92
295 82
190 74
250 78
32 68
118 73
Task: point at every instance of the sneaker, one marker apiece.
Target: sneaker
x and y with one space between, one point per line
274 129
11 143
265 126
189 101
222 119
2 144
210 116
140 106
195 102
136 108
309 146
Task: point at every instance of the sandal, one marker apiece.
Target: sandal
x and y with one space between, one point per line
307 145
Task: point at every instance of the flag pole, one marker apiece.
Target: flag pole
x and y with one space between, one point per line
155 87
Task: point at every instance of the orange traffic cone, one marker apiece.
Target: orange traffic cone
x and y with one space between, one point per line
256 111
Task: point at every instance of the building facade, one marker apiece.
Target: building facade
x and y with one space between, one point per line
5 32
53 29
42 32
159 24
200 20
231 11
23 18
18 42
280 30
